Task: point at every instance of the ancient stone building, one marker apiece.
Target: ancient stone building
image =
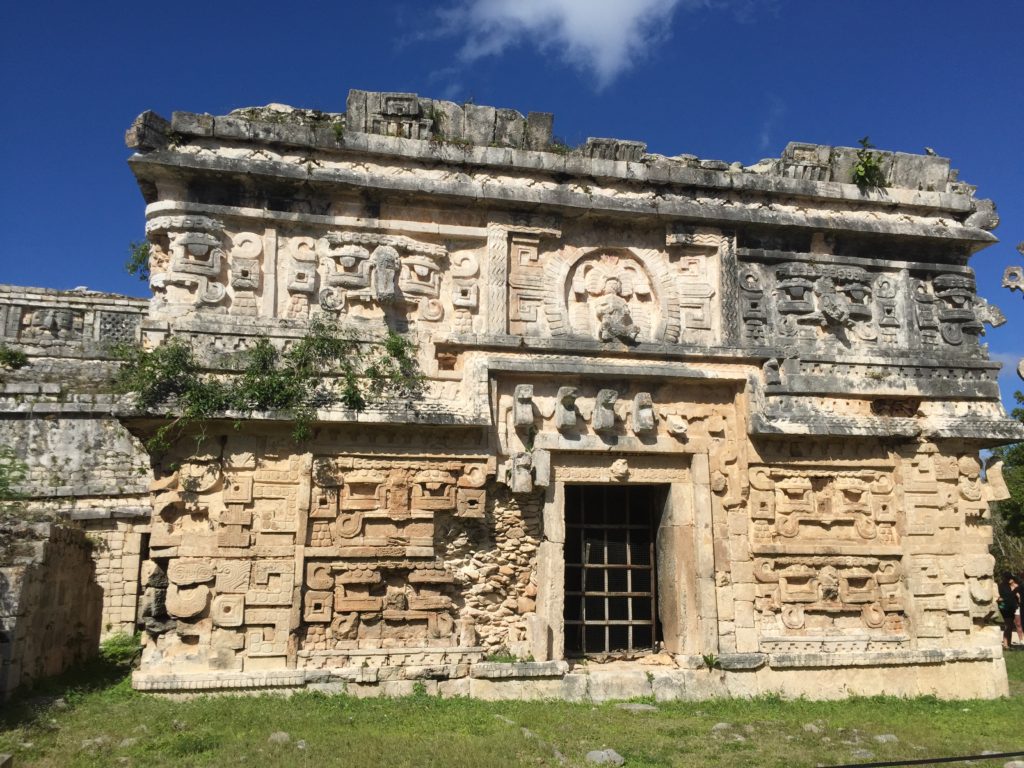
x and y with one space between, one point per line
713 428
84 470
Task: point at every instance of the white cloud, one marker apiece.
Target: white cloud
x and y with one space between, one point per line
776 110
602 37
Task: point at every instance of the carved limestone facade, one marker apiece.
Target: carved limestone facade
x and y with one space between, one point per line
673 408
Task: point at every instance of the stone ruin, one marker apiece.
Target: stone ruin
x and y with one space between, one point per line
712 428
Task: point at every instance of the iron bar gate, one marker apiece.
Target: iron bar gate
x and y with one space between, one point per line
610 575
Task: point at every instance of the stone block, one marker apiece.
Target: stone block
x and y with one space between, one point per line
618 685
509 128
744 615
539 129
480 124
926 172
356 111
449 689
237 128
192 124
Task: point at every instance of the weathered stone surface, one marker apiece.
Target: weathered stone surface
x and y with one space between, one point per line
605 757
50 603
793 362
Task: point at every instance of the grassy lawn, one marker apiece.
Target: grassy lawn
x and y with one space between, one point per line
93 718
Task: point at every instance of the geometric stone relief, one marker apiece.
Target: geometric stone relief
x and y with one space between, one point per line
696 254
948 308
818 505
370 571
827 593
118 327
43 323
245 263
190 249
365 271
809 302
300 279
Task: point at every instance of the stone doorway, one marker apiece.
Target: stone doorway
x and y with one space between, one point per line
611 601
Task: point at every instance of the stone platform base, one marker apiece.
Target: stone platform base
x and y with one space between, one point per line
951 674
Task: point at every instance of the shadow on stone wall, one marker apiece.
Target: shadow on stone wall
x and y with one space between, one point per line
50 604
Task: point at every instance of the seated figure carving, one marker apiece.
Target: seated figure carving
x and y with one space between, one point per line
613 314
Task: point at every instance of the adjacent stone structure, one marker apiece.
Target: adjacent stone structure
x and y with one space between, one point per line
678 412
69 572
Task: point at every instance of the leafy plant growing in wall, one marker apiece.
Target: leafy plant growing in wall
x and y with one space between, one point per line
12 359
138 260
12 473
868 171
325 368
711 661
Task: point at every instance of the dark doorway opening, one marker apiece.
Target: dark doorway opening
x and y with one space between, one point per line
610 572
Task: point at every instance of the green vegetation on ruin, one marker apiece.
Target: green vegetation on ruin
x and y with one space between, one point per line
868 171
138 260
12 474
324 368
91 717
12 359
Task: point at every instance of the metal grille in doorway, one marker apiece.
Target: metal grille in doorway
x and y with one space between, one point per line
610 597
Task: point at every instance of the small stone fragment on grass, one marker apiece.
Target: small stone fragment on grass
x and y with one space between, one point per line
97 743
605 757
126 743
721 727
1014 764
300 744
862 754
505 720
811 728
886 738
179 725
637 707
279 737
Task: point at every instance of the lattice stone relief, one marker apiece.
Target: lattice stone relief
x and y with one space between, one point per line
119 327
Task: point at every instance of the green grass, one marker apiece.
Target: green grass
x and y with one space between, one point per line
59 725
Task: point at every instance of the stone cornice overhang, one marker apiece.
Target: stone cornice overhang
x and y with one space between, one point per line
672 191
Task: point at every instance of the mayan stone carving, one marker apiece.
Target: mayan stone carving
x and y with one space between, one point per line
671 408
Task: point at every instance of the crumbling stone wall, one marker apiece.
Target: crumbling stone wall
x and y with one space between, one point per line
49 602
56 414
794 361
494 561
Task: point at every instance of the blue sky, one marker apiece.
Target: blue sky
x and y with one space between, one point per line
722 79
